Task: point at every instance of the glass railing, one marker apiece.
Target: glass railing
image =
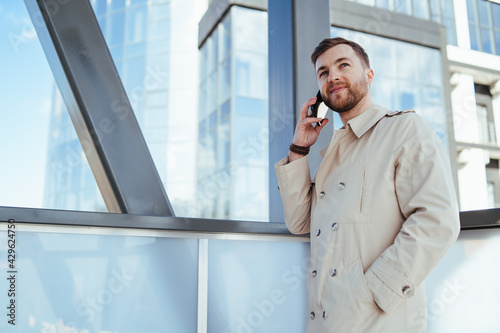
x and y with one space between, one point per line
64 271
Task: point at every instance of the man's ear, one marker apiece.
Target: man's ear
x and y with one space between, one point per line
370 74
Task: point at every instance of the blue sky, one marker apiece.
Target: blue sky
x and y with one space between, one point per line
26 85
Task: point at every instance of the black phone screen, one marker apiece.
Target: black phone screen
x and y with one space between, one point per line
319 109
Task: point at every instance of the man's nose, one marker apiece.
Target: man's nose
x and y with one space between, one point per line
333 75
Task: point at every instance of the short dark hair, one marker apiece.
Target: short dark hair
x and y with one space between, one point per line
328 43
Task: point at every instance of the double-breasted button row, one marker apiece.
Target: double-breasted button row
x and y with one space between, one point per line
335 227
340 187
314 273
312 315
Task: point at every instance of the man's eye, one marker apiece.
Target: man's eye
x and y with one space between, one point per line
322 74
342 65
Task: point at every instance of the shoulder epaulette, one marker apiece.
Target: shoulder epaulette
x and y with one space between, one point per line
397 113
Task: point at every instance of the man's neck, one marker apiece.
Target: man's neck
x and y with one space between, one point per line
361 107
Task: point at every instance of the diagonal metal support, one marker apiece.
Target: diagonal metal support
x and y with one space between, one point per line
99 107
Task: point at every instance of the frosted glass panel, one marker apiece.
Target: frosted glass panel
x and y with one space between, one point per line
96 283
257 286
463 294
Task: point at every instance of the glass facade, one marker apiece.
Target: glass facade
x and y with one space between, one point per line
484 25
153 45
440 11
407 76
69 183
233 139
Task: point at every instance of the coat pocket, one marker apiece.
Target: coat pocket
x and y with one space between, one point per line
356 204
360 292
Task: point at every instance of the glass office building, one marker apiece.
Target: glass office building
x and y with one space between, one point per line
232 149
200 94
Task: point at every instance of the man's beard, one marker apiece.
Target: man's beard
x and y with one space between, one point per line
355 93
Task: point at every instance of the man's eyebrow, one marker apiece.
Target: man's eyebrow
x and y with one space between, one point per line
320 69
342 59
336 62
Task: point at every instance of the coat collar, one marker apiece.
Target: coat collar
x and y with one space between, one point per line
361 123
367 119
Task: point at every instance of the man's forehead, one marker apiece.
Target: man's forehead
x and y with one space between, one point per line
334 54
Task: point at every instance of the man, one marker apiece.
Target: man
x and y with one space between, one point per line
382 209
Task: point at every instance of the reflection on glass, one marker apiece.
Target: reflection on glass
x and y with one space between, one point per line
136 27
440 11
496 16
484 15
234 146
145 39
421 9
117 25
497 41
474 43
487 45
117 4
484 25
401 6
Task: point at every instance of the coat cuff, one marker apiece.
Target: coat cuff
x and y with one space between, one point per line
388 286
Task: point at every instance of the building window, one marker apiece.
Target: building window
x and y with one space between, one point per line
493 183
440 11
484 25
485 118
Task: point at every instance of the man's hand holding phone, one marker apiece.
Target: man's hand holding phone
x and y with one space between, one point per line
306 132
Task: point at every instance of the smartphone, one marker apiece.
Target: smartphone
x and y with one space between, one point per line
319 109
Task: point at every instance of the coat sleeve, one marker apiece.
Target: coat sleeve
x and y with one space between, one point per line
427 200
294 182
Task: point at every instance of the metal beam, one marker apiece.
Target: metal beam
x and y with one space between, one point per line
295 28
478 219
281 94
99 107
88 220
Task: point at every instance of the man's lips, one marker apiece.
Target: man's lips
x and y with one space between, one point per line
337 89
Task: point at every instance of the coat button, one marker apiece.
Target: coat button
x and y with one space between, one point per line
314 273
341 186
321 194
312 315
406 290
335 226
325 314
334 272
318 232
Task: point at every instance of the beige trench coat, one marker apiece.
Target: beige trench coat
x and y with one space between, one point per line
381 213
